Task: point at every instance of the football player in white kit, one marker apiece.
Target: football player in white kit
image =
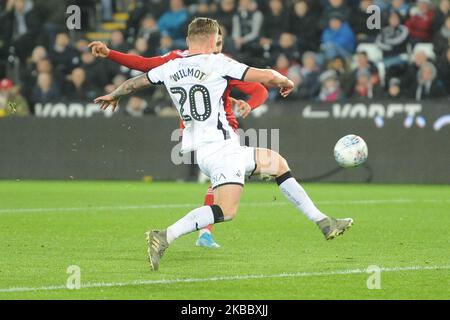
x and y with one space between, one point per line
196 84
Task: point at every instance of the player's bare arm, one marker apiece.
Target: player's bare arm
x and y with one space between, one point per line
270 78
128 87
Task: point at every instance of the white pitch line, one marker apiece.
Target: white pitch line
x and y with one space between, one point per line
222 278
193 205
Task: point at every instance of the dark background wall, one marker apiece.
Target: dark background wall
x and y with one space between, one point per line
126 148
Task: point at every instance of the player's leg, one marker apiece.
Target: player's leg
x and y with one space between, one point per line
224 209
227 201
223 163
271 163
205 238
159 241
227 197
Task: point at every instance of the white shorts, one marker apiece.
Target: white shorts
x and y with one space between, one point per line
226 162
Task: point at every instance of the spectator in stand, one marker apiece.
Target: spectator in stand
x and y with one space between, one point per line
333 8
39 53
28 73
401 7
410 75
95 70
116 82
428 85
118 41
338 39
203 9
63 56
364 64
442 38
81 45
173 22
288 46
137 107
149 31
365 87
358 21
166 45
303 24
394 89
141 46
247 23
306 77
228 44
441 14
330 88
343 72
11 101
225 14
143 8
77 89
382 4
45 66
22 26
275 22
282 65
53 15
420 23
45 90
393 41
444 69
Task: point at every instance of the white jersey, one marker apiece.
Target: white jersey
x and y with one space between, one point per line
196 85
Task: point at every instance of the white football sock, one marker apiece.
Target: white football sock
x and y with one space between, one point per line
297 195
195 220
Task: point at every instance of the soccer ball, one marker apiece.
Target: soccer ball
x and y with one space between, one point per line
350 151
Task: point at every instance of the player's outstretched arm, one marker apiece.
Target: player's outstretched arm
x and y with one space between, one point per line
131 61
270 78
128 87
257 93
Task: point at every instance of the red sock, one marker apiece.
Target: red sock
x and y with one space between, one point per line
209 201
209 197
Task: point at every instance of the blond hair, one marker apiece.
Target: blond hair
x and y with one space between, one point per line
201 28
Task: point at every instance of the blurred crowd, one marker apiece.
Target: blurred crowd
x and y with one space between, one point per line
324 46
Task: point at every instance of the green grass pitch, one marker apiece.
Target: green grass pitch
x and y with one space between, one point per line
270 251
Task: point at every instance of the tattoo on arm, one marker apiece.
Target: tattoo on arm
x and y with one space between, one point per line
131 85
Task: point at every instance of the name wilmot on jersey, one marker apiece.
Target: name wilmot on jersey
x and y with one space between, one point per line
189 72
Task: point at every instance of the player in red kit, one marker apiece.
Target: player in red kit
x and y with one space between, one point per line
257 95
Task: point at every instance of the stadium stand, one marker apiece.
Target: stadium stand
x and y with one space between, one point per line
42 61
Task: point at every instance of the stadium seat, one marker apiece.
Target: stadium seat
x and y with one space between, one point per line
373 52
